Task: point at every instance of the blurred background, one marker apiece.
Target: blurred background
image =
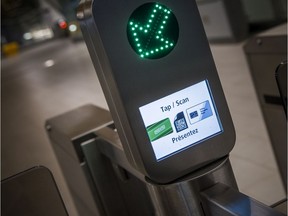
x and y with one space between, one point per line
27 23
46 70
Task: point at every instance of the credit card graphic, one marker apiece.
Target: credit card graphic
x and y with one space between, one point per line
199 112
159 129
180 122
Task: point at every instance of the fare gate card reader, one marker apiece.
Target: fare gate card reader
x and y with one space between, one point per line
157 72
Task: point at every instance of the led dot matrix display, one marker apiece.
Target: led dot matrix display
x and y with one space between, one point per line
152 31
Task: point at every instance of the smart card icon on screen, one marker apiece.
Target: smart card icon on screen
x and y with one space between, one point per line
199 112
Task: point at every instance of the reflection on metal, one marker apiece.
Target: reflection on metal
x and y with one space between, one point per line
182 197
83 10
281 78
221 200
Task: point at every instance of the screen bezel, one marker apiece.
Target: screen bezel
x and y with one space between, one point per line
192 157
199 141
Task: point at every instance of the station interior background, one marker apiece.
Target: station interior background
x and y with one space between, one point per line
46 70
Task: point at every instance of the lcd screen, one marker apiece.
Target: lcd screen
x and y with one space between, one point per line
181 120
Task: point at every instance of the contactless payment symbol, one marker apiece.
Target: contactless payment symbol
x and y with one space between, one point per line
159 129
199 112
152 30
180 122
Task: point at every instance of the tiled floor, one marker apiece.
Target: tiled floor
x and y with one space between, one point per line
32 93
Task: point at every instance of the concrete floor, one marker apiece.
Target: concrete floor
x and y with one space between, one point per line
33 92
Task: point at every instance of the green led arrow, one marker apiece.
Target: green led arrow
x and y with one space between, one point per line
152 31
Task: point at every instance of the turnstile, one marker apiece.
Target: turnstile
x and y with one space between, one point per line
90 176
264 53
102 182
161 84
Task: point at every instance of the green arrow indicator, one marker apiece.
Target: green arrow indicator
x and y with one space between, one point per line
152 31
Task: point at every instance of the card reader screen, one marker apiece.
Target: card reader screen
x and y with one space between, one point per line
181 120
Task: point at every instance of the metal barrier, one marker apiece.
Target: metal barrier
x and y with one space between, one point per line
103 182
